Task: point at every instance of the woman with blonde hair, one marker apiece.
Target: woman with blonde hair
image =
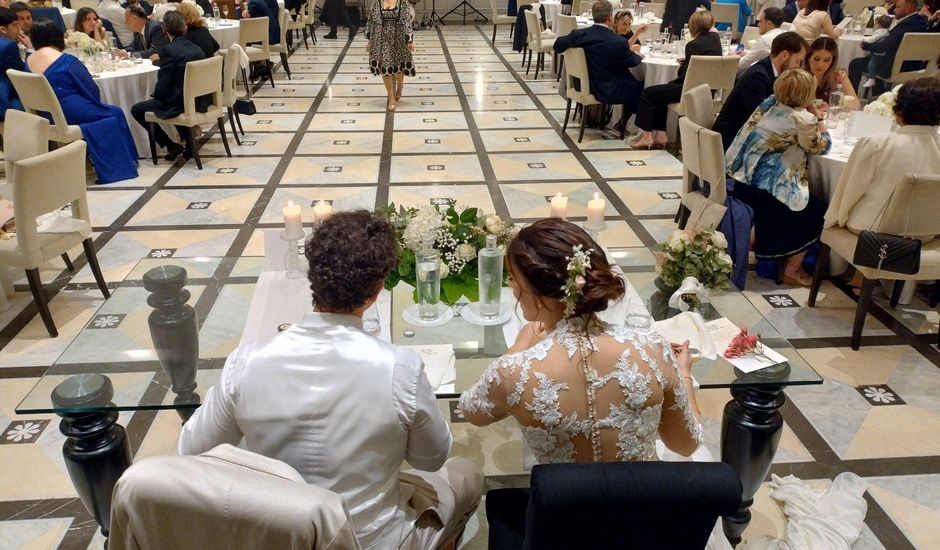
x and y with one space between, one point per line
196 30
655 100
768 161
623 25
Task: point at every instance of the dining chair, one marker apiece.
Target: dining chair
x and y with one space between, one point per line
911 212
703 157
282 48
726 13
656 8
718 72
310 19
564 24
576 76
53 14
203 77
699 105
496 19
41 185
37 97
230 88
922 47
251 31
537 44
750 33
299 24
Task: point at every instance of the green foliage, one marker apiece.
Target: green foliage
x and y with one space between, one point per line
698 254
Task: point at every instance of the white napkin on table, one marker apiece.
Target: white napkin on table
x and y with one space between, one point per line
439 362
689 326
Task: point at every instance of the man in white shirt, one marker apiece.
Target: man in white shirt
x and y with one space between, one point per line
768 23
113 12
343 407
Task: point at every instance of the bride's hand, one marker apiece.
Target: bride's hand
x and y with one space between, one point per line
683 357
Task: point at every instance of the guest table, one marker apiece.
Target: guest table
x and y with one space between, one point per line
656 68
850 47
126 86
225 34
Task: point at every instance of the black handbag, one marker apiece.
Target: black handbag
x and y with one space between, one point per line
245 106
887 252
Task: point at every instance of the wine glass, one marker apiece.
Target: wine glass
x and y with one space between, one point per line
225 12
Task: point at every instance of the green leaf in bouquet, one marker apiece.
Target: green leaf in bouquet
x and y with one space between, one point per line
469 285
461 232
469 216
392 280
450 291
452 217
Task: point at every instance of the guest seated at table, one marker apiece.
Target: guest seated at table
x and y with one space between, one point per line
87 21
583 390
609 59
345 408
104 128
149 36
268 8
623 25
25 19
767 160
931 11
793 8
744 12
112 11
196 30
814 20
757 84
908 20
654 101
167 96
768 24
9 59
677 13
822 62
878 162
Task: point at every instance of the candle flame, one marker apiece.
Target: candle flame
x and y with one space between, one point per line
559 195
290 203
596 196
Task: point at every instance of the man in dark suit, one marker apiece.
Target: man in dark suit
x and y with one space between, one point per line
149 36
609 59
334 11
265 8
793 8
757 84
9 59
908 20
167 96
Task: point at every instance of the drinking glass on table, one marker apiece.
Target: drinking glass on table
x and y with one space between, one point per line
225 11
370 321
135 57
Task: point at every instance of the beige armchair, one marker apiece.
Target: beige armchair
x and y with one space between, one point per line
916 46
253 38
230 88
299 24
496 19
37 97
577 72
41 185
226 498
282 48
699 105
911 212
203 77
536 42
718 72
727 13
564 24
702 156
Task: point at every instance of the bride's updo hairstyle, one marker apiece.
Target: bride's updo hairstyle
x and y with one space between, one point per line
538 255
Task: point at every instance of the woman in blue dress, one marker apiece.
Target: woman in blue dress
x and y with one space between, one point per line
104 127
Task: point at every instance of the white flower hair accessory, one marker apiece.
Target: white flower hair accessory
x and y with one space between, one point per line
578 263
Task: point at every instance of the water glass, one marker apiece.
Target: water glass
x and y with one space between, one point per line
135 57
832 118
370 321
428 275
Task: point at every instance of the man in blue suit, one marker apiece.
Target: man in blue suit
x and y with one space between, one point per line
9 59
908 20
265 8
609 59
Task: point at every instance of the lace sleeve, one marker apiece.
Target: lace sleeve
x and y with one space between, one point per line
485 401
680 428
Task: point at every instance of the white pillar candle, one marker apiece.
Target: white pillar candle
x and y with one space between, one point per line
293 224
595 216
559 206
322 211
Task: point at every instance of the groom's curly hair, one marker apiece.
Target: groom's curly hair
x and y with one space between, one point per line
350 254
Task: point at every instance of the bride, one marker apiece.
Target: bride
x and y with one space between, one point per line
583 390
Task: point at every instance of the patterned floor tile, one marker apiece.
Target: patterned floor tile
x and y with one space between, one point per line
331 170
536 166
435 168
197 207
350 143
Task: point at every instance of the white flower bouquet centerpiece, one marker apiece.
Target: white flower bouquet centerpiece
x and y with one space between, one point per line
884 105
457 234
83 46
693 253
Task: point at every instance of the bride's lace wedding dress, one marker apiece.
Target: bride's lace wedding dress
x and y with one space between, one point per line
589 391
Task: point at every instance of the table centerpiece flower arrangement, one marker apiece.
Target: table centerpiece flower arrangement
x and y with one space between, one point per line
83 46
699 254
884 105
458 234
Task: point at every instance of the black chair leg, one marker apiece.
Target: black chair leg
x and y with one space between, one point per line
39 296
271 73
246 82
561 65
683 214
564 126
92 258
896 293
581 132
191 145
68 262
525 49
822 261
221 122
861 310
304 31
512 27
286 66
529 63
238 119
494 34
538 64
231 120
153 144
935 294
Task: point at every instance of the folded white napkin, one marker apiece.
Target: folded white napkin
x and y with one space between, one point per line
688 326
62 222
690 285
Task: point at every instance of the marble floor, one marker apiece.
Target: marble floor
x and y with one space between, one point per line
471 127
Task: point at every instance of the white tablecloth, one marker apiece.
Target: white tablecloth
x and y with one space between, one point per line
126 86
227 34
656 70
850 47
68 16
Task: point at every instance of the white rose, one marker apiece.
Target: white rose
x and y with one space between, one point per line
493 223
719 240
725 259
678 240
466 251
445 271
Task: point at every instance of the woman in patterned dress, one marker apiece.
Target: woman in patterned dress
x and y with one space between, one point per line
581 389
389 31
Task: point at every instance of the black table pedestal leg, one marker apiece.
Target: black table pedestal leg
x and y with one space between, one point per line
750 433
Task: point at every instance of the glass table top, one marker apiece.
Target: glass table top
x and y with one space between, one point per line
112 365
